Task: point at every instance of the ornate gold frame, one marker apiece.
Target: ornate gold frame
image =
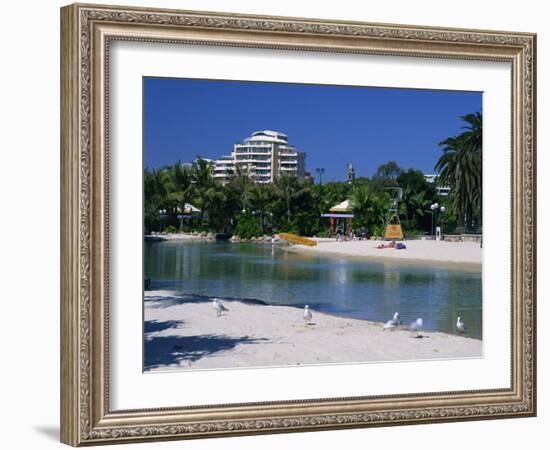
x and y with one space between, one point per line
86 31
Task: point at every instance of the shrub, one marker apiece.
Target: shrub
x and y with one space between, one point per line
171 229
248 227
376 230
323 233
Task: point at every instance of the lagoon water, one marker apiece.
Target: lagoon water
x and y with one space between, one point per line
349 287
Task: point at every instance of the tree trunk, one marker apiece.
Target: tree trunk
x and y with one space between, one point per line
288 208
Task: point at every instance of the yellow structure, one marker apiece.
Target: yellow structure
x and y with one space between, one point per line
393 231
295 239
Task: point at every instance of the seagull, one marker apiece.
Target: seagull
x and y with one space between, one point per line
394 323
218 307
417 326
460 325
307 315
396 318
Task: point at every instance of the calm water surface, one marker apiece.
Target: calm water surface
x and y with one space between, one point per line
351 287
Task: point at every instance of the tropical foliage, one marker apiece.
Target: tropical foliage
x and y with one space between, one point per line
246 208
296 205
460 168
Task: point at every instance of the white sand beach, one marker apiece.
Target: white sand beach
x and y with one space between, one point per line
417 250
183 334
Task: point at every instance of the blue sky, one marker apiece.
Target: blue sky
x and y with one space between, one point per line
334 125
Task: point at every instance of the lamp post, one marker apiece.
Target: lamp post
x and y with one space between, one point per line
320 171
162 212
434 207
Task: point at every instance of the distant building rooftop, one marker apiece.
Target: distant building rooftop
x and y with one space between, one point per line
269 136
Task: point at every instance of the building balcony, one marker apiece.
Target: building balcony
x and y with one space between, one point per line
240 151
253 156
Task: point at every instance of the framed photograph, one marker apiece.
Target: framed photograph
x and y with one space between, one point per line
276 224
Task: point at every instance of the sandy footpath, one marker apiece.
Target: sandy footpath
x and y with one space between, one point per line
188 334
417 250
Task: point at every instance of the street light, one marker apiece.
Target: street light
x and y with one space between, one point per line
434 207
161 213
320 171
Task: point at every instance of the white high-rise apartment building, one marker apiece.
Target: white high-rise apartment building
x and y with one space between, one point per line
263 156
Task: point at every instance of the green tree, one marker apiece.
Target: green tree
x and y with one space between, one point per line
215 201
288 188
418 205
248 226
156 187
241 182
181 186
380 203
260 197
362 203
459 168
386 176
201 175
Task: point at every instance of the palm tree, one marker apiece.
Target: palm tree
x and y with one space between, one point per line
418 204
380 204
241 182
361 202
201 175
260 196
215 200
460 168
182 186
288 188
156 188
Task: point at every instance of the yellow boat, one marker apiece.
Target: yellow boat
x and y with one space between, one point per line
295 239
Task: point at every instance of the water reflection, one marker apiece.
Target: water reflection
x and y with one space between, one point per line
347 287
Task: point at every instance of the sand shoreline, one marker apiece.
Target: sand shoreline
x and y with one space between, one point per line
463 254
423 251
183 334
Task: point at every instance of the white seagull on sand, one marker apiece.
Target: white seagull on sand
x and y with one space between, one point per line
307 315
218 307
417 326
460 325
394 323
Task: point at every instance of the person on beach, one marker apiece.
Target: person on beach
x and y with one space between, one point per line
390 245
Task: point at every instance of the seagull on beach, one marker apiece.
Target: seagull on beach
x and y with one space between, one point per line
307 315
460 325
417 326
392 324
218 306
